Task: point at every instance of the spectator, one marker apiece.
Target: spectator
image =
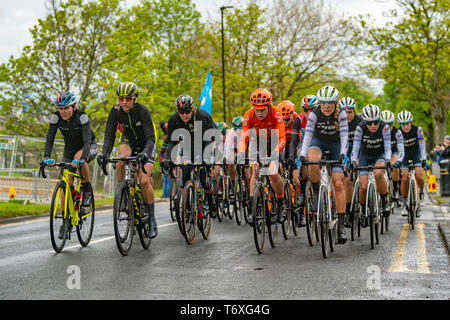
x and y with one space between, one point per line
445 150
435 153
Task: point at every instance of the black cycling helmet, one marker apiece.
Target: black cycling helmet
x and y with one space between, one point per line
184 103
127 89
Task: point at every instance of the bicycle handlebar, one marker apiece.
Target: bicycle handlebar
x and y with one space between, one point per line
42 166
131 160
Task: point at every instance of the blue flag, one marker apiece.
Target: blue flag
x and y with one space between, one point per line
206 96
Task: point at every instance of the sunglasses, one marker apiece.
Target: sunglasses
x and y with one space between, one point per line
184 111
372 123
125 99
349 110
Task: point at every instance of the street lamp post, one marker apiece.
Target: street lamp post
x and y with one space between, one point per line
223 63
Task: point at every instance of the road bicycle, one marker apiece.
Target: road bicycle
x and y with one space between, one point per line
371 217
412 198
327 217
385 219
129 214
66 213
195 210
222 194
265 210
292 220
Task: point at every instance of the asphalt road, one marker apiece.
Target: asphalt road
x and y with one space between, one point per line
407 264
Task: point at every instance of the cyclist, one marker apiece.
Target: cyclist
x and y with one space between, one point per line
415 150
327 130
80 146
265 120
232 145
398 150
138 139
309 103
185 119
372 146
348 105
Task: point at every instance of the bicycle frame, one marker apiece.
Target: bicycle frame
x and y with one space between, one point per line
68 200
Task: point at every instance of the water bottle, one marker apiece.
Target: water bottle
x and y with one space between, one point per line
76 198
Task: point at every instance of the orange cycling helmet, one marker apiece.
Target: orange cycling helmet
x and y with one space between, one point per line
287 109
261 99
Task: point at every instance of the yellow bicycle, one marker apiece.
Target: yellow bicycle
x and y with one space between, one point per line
67 212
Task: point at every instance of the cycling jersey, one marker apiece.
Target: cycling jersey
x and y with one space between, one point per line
357 119
324 129
77 135
372 144
138 130
288 129
273 121
397 146
175 123
297 135
414 140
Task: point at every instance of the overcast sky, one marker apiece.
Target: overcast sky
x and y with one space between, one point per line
18 16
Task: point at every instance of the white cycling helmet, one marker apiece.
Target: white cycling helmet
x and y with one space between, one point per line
387 116
328 94
404 117
347 103
371 112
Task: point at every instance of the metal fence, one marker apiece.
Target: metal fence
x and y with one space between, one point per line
19 167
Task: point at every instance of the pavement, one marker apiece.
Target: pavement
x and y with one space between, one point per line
33 217
443 226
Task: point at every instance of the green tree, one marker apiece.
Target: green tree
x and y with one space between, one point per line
415 55
67 54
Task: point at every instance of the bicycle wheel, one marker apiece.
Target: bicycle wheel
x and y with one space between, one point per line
237 202
123 216
245 199
172 201
259 218
178 209
205 221
322 214
289 206
371 208
143 227
310 215
271 218
355 212
219 198
412 203
58 220
227 199
85 226
189 212
332 232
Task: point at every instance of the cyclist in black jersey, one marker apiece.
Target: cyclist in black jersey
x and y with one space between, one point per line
79 140
372 146
348 105
185 124
398 150
415 150
138 139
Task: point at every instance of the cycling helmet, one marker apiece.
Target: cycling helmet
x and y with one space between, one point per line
65 99
328 94
261 99
387 116
404 117
287 109
127 89
310 102
347 103
222 127
184 103
371 112
237 122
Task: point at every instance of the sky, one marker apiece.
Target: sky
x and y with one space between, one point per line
17 17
